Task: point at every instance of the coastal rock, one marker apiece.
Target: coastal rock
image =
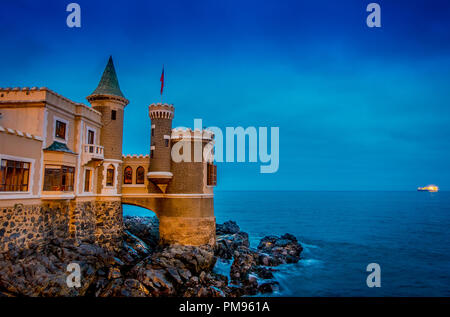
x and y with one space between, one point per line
228 243
142 268
228 227
43 271
279 250
146 228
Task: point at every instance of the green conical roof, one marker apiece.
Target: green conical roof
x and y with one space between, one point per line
109 85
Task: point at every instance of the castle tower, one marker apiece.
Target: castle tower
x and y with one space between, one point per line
161 116
109 100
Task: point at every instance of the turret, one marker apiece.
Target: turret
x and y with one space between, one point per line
161 116
109 100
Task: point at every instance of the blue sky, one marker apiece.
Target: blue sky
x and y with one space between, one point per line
358 108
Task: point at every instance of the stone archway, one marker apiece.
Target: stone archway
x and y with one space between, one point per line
183 219
142 223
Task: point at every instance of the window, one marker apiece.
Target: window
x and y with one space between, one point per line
153 131
60 130
140 175
110 176
87 180
14 176
167 142
59 178
91 137
211 175
113 114
128 175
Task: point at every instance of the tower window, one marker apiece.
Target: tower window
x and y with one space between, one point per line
128 175
152 151
211 177
140 175
167 142
153 131
110 176
113 114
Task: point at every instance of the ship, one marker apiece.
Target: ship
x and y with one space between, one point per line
429 188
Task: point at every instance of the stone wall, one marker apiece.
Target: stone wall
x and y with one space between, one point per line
109 224
23 226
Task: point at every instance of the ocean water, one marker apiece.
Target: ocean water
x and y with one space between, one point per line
406 233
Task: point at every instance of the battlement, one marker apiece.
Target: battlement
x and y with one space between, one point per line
128 156
187 133
160 110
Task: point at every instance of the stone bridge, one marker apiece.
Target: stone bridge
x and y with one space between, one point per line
183 218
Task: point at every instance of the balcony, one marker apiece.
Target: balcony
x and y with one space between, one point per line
91 152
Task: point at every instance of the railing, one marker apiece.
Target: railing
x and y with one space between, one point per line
92 152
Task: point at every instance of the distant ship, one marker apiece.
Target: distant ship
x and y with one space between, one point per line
429 188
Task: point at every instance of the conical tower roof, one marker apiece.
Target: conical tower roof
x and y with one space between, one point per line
109 85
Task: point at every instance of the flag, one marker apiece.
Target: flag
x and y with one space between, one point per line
162 81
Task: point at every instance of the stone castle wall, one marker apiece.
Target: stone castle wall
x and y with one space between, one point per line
23 226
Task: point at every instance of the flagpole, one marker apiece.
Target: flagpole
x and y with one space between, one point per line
162 84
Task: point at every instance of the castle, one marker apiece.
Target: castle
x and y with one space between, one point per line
63 173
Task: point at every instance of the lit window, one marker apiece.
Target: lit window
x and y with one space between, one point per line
128 175
110 176
60 130
59 178
140 175
14 176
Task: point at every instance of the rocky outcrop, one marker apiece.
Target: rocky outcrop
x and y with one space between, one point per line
143 268
252 269
44 271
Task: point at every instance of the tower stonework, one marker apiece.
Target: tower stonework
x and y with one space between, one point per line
109 100
161 116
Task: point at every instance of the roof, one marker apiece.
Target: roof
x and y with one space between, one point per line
59 147
109 85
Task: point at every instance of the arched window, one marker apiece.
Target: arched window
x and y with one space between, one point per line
128 175
110 175
140 175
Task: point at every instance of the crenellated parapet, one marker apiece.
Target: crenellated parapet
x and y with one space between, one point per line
187 133
161 111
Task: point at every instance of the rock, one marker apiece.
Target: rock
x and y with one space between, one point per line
146 228
278 250
268 287
264 273
114 272
228 243
142 268
228 227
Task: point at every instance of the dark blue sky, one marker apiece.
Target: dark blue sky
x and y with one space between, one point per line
357 108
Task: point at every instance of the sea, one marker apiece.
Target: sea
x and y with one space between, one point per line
342 232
